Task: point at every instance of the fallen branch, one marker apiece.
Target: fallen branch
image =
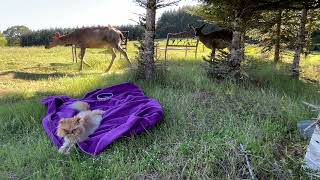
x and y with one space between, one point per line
317 108
311 125
243 150
317 119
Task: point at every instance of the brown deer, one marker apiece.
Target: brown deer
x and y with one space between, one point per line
95 37
219 39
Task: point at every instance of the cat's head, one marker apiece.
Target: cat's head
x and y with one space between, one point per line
70 128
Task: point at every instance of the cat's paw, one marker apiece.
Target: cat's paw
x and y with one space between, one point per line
98 111
64 150
61 150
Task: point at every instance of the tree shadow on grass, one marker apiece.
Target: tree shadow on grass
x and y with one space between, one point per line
33 76
61 64
102 81
51 66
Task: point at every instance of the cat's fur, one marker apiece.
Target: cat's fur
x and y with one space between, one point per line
78 128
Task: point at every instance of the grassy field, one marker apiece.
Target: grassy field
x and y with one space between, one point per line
205 121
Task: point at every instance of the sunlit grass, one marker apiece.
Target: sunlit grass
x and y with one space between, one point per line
310 65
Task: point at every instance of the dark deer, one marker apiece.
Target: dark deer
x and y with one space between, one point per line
96 37
219 39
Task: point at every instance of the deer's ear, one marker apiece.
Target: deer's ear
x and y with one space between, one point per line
62 121
57 35
202 26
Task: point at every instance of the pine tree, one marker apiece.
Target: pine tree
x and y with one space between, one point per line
147 64
239 13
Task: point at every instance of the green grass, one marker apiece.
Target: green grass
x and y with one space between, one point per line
204 120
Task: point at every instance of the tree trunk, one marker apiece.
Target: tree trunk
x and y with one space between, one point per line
148 53
299 44
309 33
278 37
237 52
242 42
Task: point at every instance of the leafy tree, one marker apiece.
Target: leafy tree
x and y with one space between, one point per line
3 41
308 7
313 24
277 29
13 34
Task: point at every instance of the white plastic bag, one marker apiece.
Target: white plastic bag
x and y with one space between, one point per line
312 157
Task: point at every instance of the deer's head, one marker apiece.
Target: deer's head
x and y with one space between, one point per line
55 41
197 30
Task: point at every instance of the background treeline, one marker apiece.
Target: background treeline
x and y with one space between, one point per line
169 22
44 36
41 37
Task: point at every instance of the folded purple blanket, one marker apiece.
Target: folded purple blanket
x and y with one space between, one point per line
128 112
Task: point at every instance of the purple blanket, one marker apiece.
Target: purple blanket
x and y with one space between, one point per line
128 112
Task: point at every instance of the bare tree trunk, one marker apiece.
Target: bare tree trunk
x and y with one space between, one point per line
149 40
309 33
236 47
278 37
242 42
299 44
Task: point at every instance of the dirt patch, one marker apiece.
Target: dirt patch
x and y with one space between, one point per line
3 92
203 97
6 75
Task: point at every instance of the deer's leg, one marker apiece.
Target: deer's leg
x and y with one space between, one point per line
213 53
75 53
82 52
81 58
113 57
72 51
124 53
85 62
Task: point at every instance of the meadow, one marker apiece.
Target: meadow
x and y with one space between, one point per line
205 120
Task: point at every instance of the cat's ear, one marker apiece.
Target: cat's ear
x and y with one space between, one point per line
77 120
62 121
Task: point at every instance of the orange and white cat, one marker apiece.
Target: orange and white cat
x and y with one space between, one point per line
78 128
